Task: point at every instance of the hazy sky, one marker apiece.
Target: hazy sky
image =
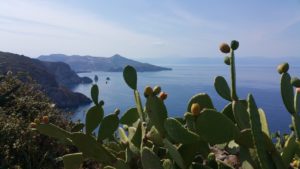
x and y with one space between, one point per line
150 28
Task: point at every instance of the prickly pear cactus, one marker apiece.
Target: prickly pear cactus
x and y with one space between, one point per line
145 137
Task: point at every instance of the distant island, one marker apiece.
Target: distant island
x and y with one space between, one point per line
115 63
55 78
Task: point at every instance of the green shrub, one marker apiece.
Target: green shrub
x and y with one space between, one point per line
20 147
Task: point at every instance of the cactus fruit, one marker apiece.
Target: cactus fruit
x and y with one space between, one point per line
283 68
224 47
163 95
45 119
202 99
148 91
195 109
227 60
156 90
234 44
101 103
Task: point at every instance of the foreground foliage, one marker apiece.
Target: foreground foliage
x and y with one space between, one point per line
20 104
149 139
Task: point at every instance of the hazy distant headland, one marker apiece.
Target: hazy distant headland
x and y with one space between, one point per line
114 63
54 78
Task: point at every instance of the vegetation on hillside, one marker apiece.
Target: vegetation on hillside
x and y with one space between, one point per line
148 138
20 104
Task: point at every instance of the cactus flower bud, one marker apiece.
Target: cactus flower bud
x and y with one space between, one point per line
32 125
195 109
45 119
283 68
234 45
224 47
227 60
148 91
163 96
101 103
156 90
295 82
37 121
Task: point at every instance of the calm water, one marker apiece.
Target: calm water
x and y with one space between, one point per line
185 81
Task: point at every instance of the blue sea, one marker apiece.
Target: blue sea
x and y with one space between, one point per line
184 81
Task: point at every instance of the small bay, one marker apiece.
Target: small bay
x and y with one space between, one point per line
184 81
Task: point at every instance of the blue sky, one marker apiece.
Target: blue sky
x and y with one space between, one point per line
150 28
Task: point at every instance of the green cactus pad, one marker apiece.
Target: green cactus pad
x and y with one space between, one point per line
90 147
289 150
136 138
157 112
222 88
297 101
173 152
154 136
72 161
150 160
190 121
120 164
95 94
93 118
130 116
264 122
188 151
52 130
227 111
240 114
287 92
257 135
77 127
202 99
245 138
130 77
108 126
123 137
178 133
215 128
